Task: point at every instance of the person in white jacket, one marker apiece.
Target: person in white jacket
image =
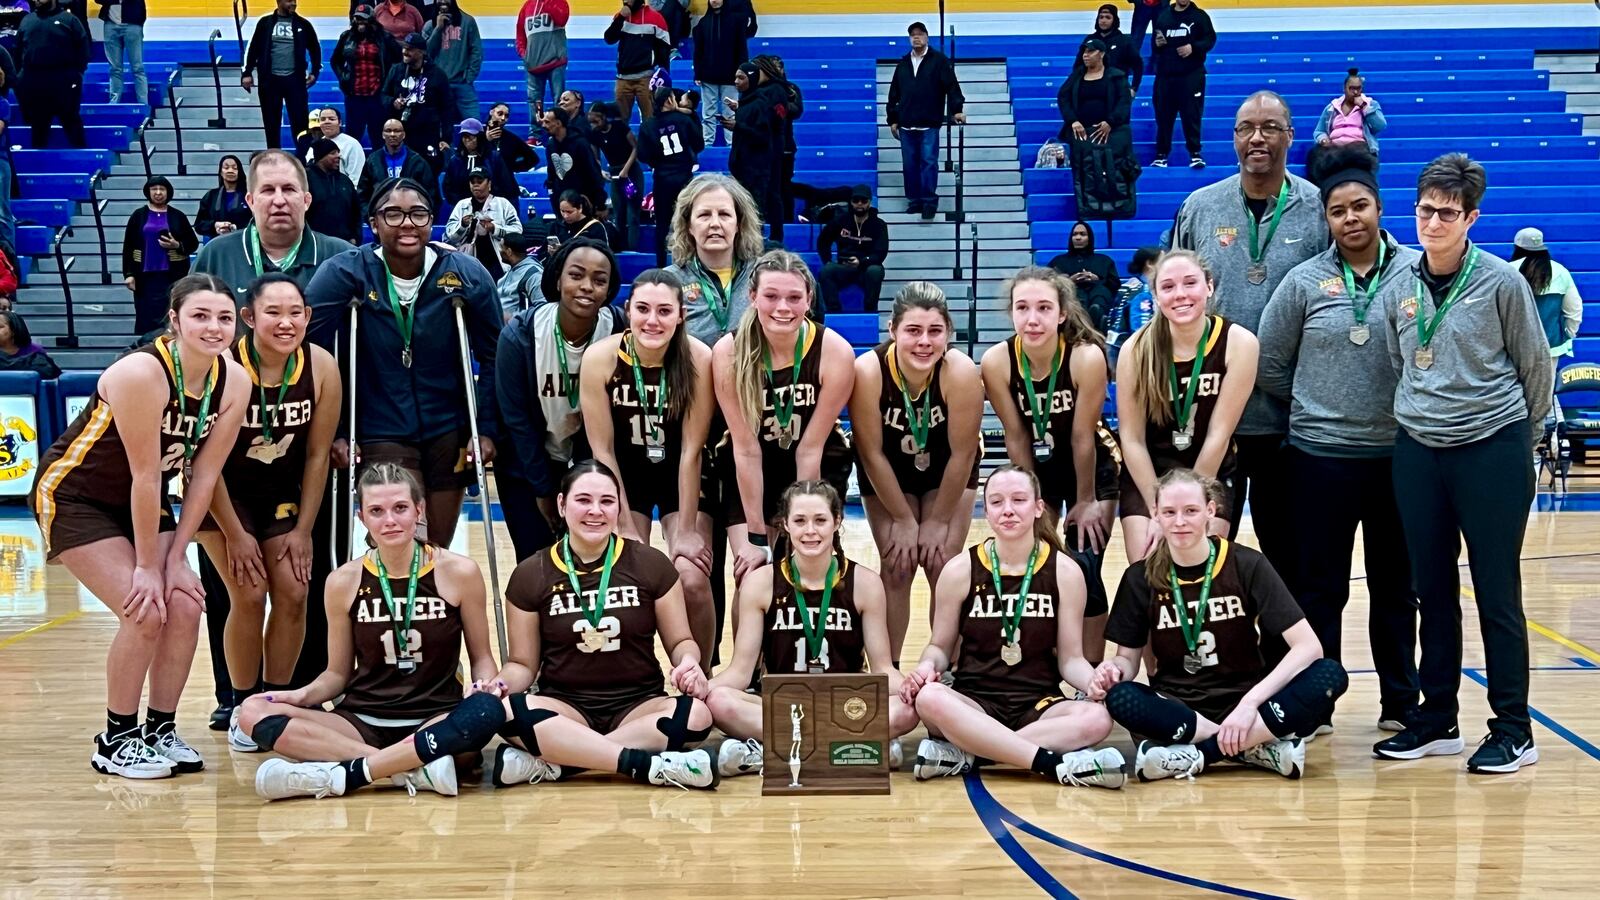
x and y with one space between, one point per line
479 223
352 156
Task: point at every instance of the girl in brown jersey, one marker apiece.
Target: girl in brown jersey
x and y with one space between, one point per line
398 617
647 399
259 532
1212 695
916 416
781 382
1184 379
815 611
102 503
1008 620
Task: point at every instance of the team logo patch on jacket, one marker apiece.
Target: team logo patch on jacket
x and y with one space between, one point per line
1226 236
1333 286
449 281
1409 307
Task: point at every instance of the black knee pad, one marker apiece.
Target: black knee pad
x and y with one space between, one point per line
676 727
1145 712
466 730
1306 701
523 721
268 730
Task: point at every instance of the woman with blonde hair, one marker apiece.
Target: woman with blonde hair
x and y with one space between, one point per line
716 238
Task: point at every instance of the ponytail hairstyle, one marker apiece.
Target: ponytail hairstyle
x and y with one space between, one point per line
1158 566
782 546
677 369
1044 527
1151 347
1077 327
750 342
577 201
588 466
921 295
1355 73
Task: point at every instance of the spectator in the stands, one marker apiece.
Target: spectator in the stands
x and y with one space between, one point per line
52 57
1144 15
1353 116
1555 294
575 218
1095 104
519 287
393 159
156 245
399 18
643 45
670 143
223 208
572 103
1094 274
473 151
419 92
542 45
352 156
721 45
361 59
1134 303
1121 53
10 276
602 214
513 150
285 53
572 162
480 221
789 105
12 12
18 352
756 136
923 89
862 241
335 210
619 158
123 33
455 45
1182 39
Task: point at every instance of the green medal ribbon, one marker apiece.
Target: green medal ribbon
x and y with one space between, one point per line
1185 407
191 441
711 289
918 425
597 610
784 412
1191 627
1426 327
1011 627
405 317
1258 248
258 260
1361 302
814 629
657 430
568 383
1041 412
261 389
400 630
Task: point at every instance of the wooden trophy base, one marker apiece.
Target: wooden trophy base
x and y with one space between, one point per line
844 734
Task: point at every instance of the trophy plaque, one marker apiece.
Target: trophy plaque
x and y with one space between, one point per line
825 734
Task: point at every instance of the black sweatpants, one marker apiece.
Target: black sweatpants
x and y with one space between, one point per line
50 94
668 186
1294 711
1261 473
1334 495
280 92
1177 95
1481 491
529 531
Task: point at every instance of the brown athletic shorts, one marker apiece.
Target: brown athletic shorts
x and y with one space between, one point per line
1012 711
75 522
262 518
604 717
1132 502
378 736
441 461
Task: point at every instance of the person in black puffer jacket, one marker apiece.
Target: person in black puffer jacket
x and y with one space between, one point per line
757 136
363 55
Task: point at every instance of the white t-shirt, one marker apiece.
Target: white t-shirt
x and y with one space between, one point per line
561 420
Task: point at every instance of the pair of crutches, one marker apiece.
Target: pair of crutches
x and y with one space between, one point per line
349 497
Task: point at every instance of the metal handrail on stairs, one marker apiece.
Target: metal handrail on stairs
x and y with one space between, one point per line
949 162
99 207
241 11
177 102
64 266
221 121
144 144
960 169
972 298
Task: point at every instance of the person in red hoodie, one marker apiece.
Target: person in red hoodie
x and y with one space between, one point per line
643 44
542 44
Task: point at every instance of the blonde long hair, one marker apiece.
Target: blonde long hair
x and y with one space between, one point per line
750 342
1158 566
747 241
1151 349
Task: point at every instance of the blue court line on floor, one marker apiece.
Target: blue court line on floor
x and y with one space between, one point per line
1583 663
995 817
1561 730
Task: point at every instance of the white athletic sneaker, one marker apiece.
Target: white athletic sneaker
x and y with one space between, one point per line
1154 762
737 757
237 739
897 755
936 758
438 776
513 765
184 758
279 779
1092 768
1287 758
685 769
1393 726
130 757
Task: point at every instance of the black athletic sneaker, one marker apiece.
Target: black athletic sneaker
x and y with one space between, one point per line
1415 743
914 208
1500 752
220 718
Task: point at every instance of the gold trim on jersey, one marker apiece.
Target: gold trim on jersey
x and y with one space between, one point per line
1044 556
555 557
1216 335
900 381
242 353
1222 557
162 346
838 578
95 428
625 356
1061 348
427 565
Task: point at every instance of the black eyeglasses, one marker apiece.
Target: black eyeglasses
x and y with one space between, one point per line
1269 130
394 216
1446 214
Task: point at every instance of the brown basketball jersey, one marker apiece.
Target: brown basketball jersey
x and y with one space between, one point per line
784 649
380 686
625 665
1158 438
1058 477
978 666
256 468
89 462
898 445
633 420
806 391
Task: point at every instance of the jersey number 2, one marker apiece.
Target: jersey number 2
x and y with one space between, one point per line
610 626
1206 648
413 646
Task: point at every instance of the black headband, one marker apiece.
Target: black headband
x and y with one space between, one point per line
1360 176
